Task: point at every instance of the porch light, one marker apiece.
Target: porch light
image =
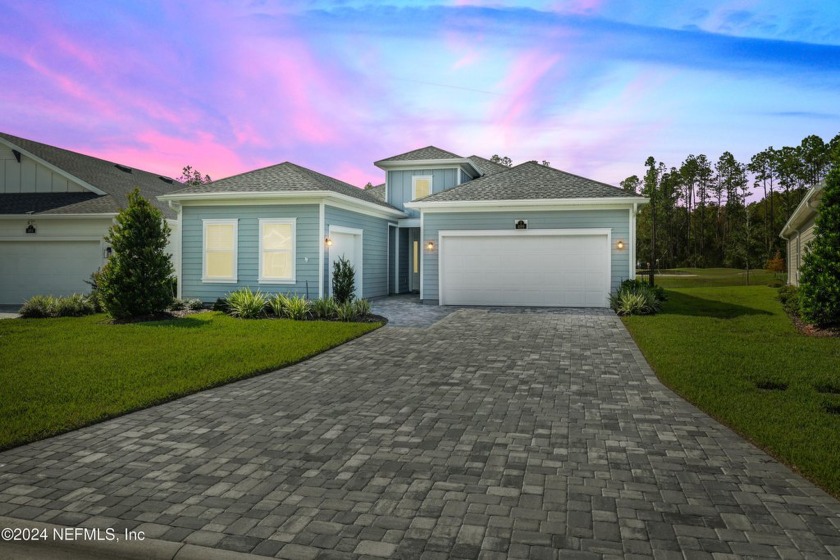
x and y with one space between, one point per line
430 245
328 242
620 245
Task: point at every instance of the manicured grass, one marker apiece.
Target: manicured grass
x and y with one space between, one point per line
709 277
717 346
60 374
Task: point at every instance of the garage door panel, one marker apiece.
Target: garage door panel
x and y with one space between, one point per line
46 268
555 270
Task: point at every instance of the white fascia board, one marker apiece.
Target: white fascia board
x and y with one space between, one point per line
427 164
109 215
802 213
409 222
52 167
543 204
309 197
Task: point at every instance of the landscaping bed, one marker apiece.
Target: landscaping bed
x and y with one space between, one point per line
734 352
63 373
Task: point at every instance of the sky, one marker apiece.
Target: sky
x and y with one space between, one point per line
592 86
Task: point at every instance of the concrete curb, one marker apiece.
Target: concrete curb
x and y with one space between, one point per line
147 549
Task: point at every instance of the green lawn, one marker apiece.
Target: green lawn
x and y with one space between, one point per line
60 374
716 346
712 277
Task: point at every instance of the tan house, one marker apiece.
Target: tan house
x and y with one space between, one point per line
799 231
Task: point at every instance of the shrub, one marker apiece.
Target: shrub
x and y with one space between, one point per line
279 303
324 308
345 311
789 296
297 308
177 305
636 297
76 305
819 275
220 304
246 304
343 281
636 285
94 295
136 280
362 307
40 307
194 304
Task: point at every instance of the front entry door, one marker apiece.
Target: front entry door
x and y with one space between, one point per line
414 260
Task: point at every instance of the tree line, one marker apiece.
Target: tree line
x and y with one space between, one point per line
700 214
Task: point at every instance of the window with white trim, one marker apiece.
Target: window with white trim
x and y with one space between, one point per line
277 250
421 186
219 258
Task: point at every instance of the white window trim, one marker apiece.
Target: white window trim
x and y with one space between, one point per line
285 221
414 178
213 279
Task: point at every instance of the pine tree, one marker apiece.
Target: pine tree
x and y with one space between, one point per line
136 280
819 275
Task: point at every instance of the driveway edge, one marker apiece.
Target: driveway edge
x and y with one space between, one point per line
147 549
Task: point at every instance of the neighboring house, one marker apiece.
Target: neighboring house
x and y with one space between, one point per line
55 209
799 231
457 230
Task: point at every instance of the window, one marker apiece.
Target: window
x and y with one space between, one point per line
421 186
220 240
277 251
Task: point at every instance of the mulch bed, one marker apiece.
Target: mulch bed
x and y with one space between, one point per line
811 330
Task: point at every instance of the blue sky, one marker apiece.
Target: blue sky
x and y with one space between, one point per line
592 86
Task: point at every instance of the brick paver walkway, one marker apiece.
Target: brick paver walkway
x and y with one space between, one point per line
489 434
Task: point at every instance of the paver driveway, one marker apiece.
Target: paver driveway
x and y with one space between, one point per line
489 434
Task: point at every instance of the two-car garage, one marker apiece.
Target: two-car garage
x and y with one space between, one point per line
546 268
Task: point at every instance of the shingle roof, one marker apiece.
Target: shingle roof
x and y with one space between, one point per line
429 152
487 167
94 171
283 177
529 181
377 192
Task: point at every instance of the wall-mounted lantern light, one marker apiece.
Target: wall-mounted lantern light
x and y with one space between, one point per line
108 252
620 245
30 227
328 242
430 245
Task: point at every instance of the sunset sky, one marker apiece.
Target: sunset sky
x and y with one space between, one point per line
592 86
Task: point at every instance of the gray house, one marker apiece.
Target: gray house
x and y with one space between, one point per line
799 231
457 230
55 210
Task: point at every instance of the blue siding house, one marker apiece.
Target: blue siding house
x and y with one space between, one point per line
455 230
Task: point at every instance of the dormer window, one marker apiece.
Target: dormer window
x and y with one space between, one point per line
421 186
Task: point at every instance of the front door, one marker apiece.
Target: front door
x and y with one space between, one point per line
414 259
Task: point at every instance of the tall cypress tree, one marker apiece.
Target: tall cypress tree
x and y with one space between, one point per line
819 276
136 280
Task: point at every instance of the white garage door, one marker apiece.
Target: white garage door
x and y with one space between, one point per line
46 267
528 268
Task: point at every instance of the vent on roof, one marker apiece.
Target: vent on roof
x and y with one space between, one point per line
165 179
123 168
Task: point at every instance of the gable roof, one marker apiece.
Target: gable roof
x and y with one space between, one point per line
429 152
487 167
529 181
98 173
284 177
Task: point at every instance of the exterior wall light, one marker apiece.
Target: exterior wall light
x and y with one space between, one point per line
30 227
430 245
620 245
328 242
